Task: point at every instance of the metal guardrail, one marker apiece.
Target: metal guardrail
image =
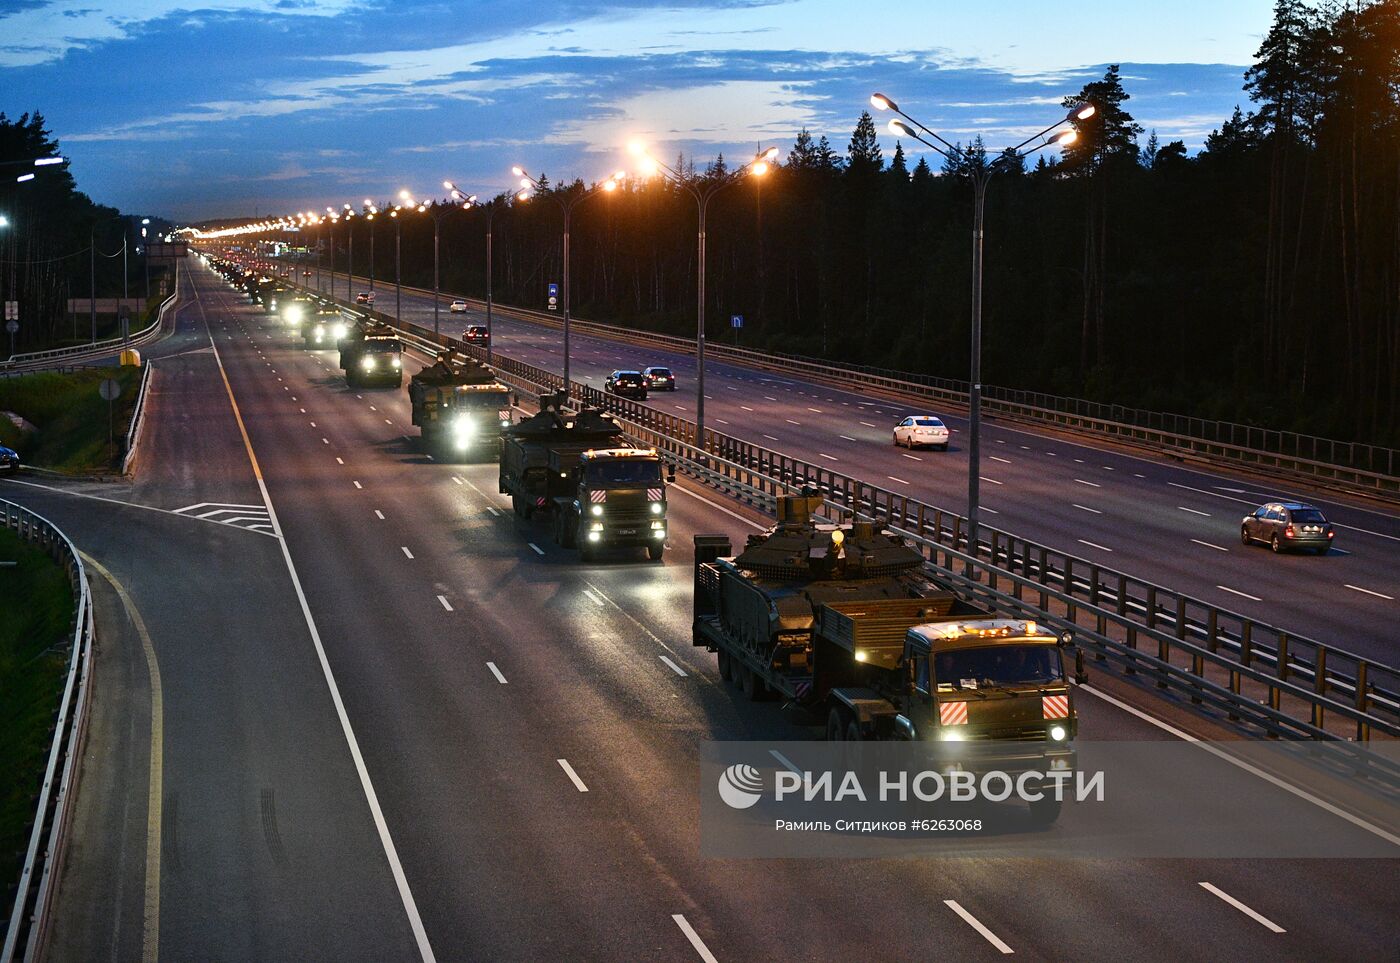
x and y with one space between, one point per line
1372 469
138 420
1255 661
36 360
29 916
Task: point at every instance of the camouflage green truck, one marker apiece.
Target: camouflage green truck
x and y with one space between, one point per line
459 406
844 622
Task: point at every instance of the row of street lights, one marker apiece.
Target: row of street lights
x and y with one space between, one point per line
703 189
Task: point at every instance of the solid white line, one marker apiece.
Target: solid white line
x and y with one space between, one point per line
674 668
415 920
1102 548
972 921
578 783
406 552
694 938
379 514
538 550
1193 511
1089 483
1226 588
1358 588
1086 508
1218 548
496 672
719 507
1258 918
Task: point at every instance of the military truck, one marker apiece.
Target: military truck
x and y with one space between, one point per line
844 622
324 326
459 406
371 353
577 468
295 309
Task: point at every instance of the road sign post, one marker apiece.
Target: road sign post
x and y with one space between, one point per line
736 321
12 322
110 389
553 296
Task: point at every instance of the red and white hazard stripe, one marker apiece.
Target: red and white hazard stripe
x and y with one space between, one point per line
952 713
1055 706
654 494
598 496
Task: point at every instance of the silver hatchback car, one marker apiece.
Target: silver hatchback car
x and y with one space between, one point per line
1284 526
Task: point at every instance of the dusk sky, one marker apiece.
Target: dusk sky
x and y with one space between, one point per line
203 108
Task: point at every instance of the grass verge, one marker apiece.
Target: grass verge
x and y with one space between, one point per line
70 417
37 605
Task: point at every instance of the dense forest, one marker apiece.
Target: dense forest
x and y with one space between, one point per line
52 227
1256 281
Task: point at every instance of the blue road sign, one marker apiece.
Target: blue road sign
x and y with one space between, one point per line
736 320
553 296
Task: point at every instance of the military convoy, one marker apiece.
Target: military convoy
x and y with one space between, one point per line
578 469
844 622
459 406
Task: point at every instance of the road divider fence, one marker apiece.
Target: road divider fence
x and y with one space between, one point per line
30 914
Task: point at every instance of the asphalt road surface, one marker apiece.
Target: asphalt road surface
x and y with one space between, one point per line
527 728
1150 517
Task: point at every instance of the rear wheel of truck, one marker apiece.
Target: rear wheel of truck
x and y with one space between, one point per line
750 683
654 552
1044 812
726 666
835 726
853 731
566 534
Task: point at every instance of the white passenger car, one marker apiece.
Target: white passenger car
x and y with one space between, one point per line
922 431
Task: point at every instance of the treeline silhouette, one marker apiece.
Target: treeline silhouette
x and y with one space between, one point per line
1258 281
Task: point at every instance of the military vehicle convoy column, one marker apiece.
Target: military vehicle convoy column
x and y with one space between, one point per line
843 621
459 406
598 491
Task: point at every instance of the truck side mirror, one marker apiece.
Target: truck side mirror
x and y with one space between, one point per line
1066 639
515 400
671 473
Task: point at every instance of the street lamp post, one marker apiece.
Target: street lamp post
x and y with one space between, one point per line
567 201
398 280
703 189
491 207
981 173
370 212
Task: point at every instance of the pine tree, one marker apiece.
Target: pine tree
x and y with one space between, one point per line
863 155
898 167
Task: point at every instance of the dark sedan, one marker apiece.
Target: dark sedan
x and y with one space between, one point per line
9 459
627 384
1285 526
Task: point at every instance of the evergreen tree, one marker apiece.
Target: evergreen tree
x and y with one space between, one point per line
863 157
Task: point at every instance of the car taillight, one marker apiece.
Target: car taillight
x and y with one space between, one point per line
1288 532
1330 534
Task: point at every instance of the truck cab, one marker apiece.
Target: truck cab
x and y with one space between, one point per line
376 359
615 497
463 418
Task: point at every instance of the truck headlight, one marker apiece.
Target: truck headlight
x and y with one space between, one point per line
595 527
658 525
596 510
338 331
319 332
657 508
367 363
398 362
595 536
505 422
1058 733
658 533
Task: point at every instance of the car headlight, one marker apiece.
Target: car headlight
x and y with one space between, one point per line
596 510
1058 733
367 363
657 508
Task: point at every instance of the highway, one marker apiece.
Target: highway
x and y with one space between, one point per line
462 725
1151 517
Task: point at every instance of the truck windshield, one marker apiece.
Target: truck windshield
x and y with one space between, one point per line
387 345
617 473
1001 665
475 400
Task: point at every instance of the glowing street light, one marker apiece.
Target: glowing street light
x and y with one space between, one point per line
1053 136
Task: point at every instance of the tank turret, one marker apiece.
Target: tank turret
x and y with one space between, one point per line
797 549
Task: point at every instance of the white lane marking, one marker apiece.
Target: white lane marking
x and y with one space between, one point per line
674 668
371 407
1226 588
817 410
721 421
1358 588
991 480
1136 475
325 441
1183 508
302 410
828 457
984 508
1089 483
357 485
770 398
573 776
848 438
415 920
593 598
406 552
313 424
869 425
1086 508
717 506
339 460
894 479
378 514
976 924
1052 454
1218 548
1004 461
791 422
770 437
456 479
1102 548
538 550
1257 917
493 510
496 672
387 421
746 407
905 454
694 937
1106 468
1079 461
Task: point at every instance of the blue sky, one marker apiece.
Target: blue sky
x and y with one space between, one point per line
203 108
